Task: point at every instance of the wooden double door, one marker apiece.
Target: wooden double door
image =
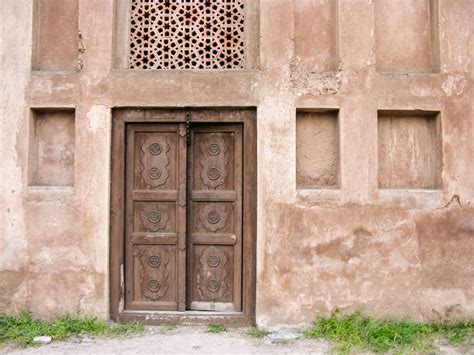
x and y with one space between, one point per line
183 216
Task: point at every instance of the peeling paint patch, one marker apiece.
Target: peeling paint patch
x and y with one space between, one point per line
454 85
98 116
445 303
311 83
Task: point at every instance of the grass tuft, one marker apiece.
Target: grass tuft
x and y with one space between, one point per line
216 328
257 333
22 329
168 328
355 331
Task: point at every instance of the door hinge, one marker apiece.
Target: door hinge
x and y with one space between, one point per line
188 128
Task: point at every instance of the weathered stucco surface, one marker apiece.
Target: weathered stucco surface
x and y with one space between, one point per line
388 252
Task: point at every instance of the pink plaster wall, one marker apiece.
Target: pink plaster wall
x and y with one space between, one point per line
385 251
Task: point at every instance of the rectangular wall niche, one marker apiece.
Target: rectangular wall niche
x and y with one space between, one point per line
55 35
316 38
407 35
317 149
409 149
52 148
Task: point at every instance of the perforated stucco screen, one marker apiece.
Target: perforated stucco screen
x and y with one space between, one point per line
187 34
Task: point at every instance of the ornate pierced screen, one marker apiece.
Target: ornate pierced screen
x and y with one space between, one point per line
187 34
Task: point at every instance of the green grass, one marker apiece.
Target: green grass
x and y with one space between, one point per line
168 328
257 333
216 328
355 331
21 330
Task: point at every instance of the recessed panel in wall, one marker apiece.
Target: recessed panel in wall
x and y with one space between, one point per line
316 34
55 35
406 36
317 150
409 149
52 148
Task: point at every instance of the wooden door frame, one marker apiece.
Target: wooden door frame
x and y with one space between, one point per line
120 118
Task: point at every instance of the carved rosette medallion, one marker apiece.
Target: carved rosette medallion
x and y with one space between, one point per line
212 279
154 285
154 272
214 149
155 161
154 218
213 173
154 261
214 160
213 261
155 148
213 217
154 173
213 286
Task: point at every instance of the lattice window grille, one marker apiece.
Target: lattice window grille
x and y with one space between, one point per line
187 34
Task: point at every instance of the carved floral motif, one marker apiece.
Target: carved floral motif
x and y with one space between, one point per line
213 261
155 148
154 260
213 217
155 161
154 173
214 160
213 286
214 149
154 272
154 285
213 173
154 217
212 279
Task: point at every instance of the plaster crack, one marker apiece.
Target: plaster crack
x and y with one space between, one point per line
454 199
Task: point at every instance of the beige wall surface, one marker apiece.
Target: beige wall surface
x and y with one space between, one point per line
371 243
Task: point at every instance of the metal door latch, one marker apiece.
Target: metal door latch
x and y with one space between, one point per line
188 128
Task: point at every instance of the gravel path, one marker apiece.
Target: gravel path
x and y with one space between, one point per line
183 340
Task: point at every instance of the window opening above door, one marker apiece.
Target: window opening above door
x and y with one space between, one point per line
187 34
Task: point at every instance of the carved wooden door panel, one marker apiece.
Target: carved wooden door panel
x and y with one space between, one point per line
183 211
214 243
155 212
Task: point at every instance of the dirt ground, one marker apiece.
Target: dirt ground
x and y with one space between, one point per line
183 340
194 340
